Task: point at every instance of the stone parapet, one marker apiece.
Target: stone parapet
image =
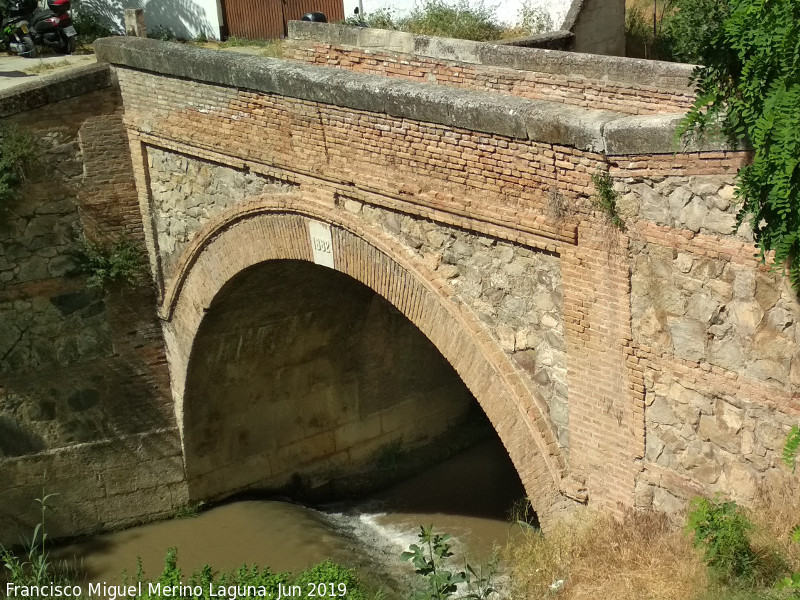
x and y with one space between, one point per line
481 111
632 71
53 88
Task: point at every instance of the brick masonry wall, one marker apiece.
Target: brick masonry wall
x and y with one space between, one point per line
669 368
400 176
574 89
84 407
362 164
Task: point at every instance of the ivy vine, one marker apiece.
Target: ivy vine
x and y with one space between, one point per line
750 85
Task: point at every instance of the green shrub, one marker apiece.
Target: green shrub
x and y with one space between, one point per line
533 19
122 261
682 31
379 19
325 580
640 39
329 579
689 28
17 153
721 529
461 20
606 198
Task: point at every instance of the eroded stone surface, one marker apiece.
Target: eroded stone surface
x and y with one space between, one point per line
714 311
515 290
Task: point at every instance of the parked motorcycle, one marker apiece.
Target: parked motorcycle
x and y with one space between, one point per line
26 27
16 29
53 27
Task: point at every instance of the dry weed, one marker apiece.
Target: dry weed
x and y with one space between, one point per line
642 557
775 513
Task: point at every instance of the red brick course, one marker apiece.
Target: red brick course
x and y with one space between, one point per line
575 90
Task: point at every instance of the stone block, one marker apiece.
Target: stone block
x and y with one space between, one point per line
715 430
700 461
687 337
667 502
660 412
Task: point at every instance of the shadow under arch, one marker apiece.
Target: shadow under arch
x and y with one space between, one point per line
277 228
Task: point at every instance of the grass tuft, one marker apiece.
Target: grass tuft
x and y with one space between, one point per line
643 556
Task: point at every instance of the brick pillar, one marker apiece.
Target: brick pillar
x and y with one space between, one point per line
605 410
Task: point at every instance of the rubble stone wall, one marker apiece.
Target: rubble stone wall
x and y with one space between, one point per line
718 335
85 411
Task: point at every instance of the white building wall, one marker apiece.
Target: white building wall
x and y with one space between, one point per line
186 18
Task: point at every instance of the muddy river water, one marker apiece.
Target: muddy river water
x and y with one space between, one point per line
468 496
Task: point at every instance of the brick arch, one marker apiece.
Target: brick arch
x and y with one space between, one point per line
276 228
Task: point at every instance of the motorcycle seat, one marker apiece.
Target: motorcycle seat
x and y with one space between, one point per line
40 15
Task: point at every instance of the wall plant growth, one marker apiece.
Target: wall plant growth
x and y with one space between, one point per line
17 153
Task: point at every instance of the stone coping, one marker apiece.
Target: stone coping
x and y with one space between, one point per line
47 89
633 71
554 40
488 112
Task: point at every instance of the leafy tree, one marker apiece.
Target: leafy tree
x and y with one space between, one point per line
689 27
750 84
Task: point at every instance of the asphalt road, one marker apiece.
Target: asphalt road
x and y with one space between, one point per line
15 70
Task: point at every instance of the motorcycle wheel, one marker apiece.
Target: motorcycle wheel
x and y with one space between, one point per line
31 51
68 45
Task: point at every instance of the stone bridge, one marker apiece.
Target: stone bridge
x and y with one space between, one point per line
307 222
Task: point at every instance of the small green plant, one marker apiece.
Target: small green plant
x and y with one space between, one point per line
190 510
34 566
722 530
17 154
381 18
792 447
122 261
163 34
606 198
522 514
430 559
